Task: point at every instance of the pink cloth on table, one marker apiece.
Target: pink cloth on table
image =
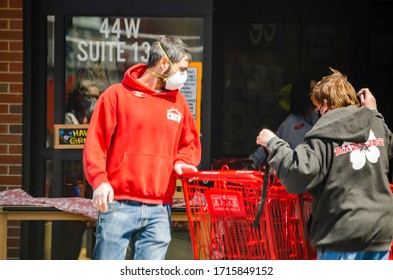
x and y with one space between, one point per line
77 205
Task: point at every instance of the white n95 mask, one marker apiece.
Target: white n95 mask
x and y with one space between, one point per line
176 80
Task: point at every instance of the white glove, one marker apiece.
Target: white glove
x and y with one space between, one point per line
181 167
102 195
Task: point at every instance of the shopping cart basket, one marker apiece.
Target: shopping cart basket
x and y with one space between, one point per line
286 216
221 207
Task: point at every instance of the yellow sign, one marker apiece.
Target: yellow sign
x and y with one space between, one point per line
69 136
192 90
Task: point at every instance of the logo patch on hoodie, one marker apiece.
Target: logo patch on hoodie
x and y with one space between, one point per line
174 115
138 94
360 152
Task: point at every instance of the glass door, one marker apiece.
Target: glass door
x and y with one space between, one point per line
79 54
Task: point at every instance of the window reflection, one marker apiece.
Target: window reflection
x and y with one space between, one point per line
74 181
262 60
101 49
81 103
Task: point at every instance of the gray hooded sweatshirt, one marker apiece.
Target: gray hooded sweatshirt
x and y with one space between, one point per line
343 163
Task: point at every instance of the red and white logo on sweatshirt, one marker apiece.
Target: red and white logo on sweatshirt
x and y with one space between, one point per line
361 152
173 115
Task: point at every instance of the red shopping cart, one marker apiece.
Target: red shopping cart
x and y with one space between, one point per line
222 206
286 215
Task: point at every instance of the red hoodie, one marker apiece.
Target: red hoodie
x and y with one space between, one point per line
135 137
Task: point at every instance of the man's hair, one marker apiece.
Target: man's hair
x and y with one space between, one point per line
173 47
336 89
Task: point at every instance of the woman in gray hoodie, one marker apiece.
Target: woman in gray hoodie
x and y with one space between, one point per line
343 163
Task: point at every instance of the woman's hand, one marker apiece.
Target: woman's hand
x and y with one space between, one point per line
366 98
264 136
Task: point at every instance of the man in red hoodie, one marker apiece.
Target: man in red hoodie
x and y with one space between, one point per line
141 134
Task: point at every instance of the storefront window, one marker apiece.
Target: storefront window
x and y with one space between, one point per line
100 49
262 60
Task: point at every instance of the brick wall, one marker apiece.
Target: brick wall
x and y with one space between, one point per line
11 101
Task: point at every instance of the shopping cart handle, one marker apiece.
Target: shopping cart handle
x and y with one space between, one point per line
254 175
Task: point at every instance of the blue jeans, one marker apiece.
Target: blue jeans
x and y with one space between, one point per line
361 255
145 227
